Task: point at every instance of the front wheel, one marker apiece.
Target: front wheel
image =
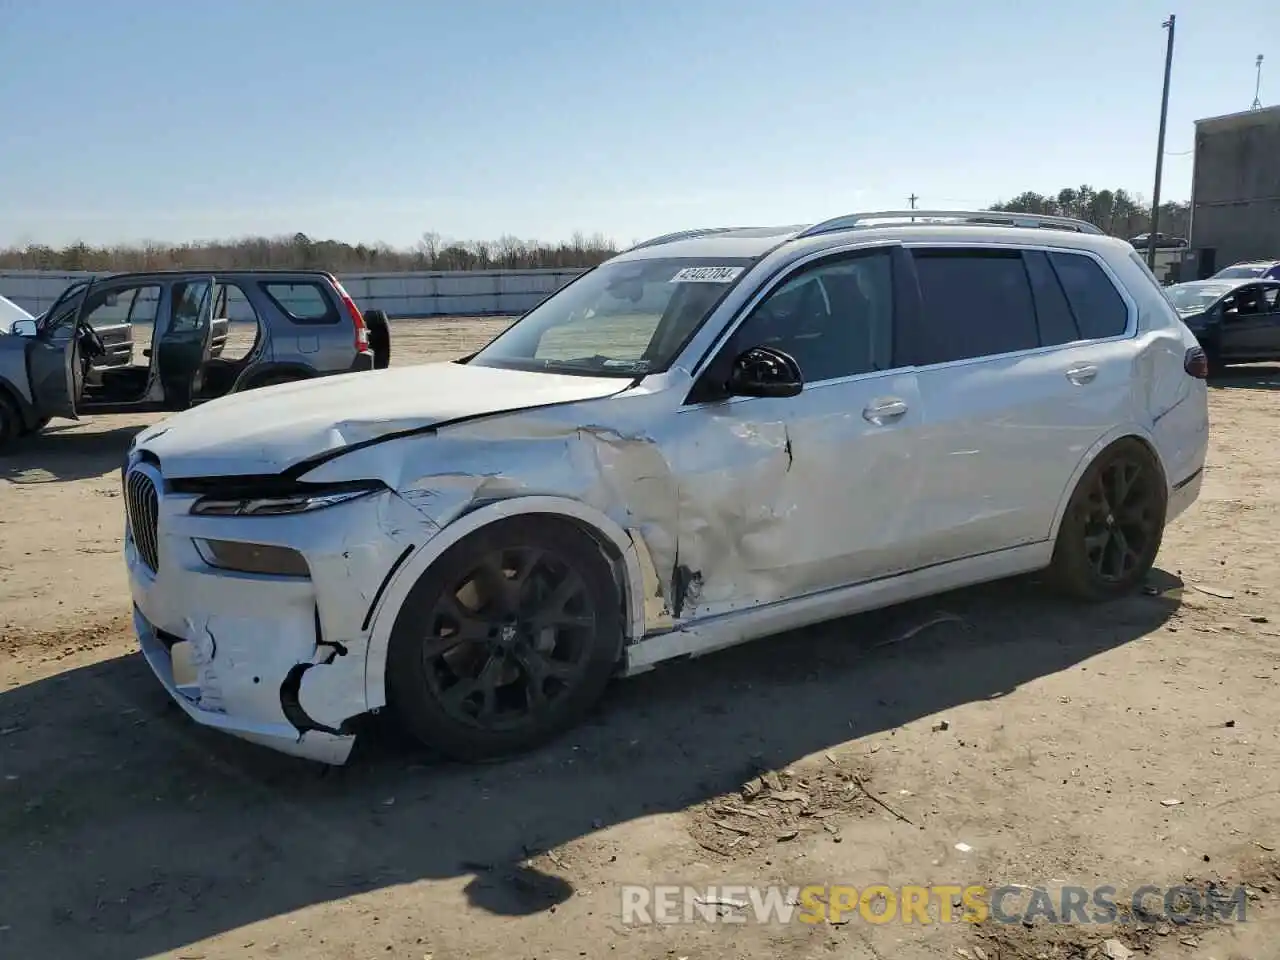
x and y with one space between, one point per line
508 640
11 426
1113 525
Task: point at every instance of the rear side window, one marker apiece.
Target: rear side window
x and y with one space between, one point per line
1098 307
302 301
975 303
1057 325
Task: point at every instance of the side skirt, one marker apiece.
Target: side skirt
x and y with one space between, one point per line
731 629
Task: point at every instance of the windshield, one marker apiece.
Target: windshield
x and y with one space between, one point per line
1240 273
1196 297
622 319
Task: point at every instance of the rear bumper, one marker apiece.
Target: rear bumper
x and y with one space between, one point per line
363 361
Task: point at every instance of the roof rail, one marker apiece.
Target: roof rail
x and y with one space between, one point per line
679 235
977 217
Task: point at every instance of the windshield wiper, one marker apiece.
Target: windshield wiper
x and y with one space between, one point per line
599 360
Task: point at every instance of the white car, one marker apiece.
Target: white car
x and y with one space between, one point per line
10 314
712 437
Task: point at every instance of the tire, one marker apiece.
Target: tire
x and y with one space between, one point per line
379 338
1111 532
455 698
11 425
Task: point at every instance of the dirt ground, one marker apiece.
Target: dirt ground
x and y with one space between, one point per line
1012 739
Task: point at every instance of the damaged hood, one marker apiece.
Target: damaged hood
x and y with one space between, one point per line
268 430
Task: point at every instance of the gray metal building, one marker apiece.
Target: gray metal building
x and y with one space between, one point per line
1235 189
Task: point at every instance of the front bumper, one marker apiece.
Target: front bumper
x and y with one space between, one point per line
284 737
276 660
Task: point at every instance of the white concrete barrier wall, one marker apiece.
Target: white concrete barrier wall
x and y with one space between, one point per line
442 294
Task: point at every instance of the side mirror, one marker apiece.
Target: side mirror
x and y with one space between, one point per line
23 328
764 372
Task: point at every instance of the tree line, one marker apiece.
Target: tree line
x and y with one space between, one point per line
1115 211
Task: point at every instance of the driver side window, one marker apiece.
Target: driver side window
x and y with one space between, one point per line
834 317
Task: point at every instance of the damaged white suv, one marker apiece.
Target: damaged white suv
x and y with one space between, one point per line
714 436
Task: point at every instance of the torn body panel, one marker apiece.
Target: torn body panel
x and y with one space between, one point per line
730 505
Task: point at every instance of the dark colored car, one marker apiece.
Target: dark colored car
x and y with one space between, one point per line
1235 320
296 325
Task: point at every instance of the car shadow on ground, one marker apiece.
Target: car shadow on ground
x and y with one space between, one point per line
1250 377
127 831
62 453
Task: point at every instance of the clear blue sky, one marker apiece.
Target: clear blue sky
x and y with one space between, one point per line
123 120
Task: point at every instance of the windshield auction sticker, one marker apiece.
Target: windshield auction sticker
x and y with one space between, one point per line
707 275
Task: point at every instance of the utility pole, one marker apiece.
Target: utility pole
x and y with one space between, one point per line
1164 116
1257 87
912 200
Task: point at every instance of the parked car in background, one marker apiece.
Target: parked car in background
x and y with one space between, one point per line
1250 270
717 435
303 325
11 313
114 328
1235 320
1143 239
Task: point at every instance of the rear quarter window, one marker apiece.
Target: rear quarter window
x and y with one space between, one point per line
1099 309
302 301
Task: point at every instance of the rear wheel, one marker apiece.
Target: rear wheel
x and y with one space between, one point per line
509 639
1113 525
379 338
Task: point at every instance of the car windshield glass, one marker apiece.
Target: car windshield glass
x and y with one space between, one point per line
1194 297
623 319
1240 272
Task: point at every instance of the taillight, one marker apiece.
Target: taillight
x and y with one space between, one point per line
357 319
1196 363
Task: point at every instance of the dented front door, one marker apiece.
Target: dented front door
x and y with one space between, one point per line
786 496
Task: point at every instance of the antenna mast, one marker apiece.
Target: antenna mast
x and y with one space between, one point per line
1257 87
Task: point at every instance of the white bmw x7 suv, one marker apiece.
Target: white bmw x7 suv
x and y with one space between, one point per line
717 435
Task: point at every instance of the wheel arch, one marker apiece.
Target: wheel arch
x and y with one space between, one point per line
257 372
1131 431
619 549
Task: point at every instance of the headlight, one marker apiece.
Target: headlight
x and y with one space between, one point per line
286 504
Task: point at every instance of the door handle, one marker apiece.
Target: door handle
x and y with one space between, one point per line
881 411
1082 373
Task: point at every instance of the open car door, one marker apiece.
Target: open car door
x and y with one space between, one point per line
183 347
53 355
